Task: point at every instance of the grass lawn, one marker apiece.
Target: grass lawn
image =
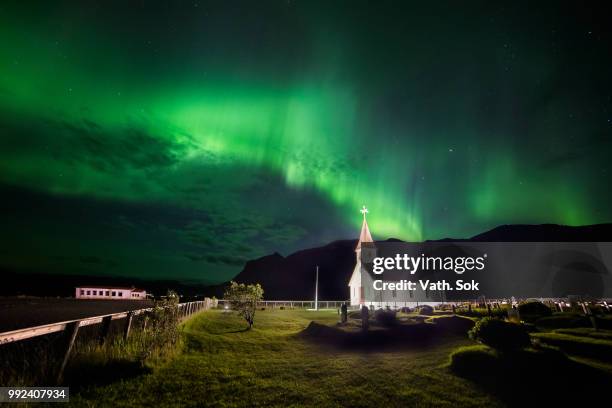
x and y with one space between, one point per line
221 364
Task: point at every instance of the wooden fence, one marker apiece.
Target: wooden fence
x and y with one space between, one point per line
71 327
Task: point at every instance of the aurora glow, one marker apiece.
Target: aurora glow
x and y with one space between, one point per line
199 135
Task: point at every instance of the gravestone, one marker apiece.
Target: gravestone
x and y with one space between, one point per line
365 316
513 315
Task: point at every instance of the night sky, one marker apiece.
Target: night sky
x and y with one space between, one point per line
177 140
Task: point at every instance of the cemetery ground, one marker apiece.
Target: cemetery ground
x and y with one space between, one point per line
303 358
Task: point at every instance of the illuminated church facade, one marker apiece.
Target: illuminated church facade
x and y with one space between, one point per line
361 282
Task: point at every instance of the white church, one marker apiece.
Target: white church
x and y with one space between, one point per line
361 282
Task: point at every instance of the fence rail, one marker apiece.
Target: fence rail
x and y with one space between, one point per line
185 310
71 327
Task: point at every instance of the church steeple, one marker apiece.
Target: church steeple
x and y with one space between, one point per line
365 235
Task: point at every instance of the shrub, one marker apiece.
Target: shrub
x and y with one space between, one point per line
500 335
243 299
385 317
426 310
533 310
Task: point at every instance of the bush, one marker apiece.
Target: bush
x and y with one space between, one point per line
500 335
385 317
243 299
533 310
426 310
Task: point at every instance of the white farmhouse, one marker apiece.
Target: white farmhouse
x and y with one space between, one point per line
361 281
110 292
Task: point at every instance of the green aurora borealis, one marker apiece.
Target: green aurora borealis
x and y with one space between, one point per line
177 140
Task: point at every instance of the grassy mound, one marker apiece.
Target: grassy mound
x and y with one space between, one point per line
453 324
563 320
587 332
465 360
582 346
527 377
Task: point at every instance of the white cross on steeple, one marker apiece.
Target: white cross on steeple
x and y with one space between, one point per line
364 211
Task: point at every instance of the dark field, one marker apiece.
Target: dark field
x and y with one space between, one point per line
17 313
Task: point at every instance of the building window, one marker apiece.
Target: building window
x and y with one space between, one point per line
107 293
82 292
95 292
89 292
114 293
120 293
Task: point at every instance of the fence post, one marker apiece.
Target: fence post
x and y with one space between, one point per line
104 329
590 315
128 325
71 333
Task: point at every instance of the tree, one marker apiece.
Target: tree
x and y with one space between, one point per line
243 299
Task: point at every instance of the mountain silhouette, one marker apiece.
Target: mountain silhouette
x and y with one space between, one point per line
293 277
